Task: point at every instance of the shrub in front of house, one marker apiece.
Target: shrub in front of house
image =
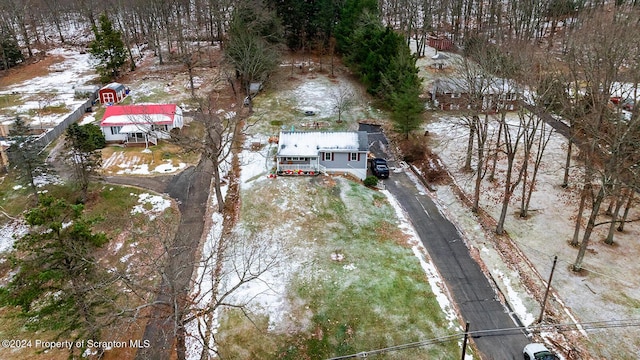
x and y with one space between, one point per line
370 181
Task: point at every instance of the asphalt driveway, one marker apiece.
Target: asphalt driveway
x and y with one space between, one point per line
473 293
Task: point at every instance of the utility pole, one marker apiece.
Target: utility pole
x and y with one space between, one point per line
464 343
546 293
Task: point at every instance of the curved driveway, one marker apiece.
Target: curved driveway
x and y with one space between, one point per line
472 292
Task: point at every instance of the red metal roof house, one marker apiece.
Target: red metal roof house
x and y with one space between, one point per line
112 93
140 123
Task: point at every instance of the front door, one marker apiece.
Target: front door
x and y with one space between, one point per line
108 97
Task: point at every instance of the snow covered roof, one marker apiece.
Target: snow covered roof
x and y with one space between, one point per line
462 85
625 90
301 143
440 56
160 114
114 86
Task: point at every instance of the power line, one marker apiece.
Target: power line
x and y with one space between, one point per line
364 354
592 325
37 93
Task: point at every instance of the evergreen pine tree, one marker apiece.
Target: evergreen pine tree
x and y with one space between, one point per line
58 284
25 154
401 82
108 48
10 54
351 15
401 73
407 108
82 143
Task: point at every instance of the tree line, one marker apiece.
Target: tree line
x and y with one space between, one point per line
368 33
308 25
573 88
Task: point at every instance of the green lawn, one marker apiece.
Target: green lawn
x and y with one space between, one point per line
375 297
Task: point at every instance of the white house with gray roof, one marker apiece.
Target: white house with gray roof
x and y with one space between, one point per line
315 152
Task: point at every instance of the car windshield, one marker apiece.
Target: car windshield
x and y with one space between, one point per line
545 355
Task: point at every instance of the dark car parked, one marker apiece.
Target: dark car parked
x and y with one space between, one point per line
379 168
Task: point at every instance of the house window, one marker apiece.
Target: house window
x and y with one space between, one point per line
327 156
508 96
455 95
353 156
115 130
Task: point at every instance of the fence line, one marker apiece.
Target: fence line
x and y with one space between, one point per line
46 138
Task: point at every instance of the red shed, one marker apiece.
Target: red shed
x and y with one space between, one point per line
440 43
112 93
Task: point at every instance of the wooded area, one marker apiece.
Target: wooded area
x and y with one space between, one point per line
564 48
169 26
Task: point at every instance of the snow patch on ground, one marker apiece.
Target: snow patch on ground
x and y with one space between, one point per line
10 232
514 299
59 84
203 294
134 165
168 167
266 295
313 96
157 203
47 179
134 169
88 119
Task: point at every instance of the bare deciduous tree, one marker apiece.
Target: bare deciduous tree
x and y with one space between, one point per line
250 52
228 265
596 56
475 86
343 100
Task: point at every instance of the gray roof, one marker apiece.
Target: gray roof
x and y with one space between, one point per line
450 85
255 87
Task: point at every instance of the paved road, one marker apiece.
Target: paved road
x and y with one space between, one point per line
471 290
